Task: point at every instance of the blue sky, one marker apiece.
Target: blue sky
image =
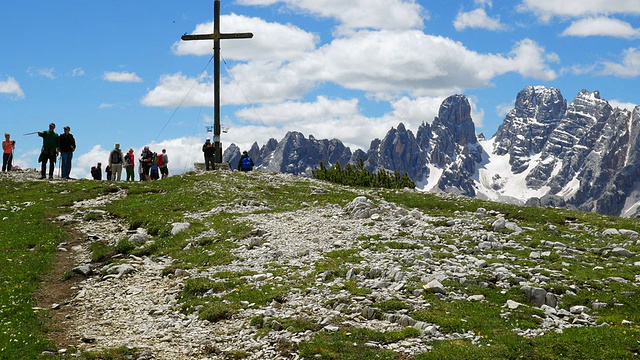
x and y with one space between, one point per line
116 71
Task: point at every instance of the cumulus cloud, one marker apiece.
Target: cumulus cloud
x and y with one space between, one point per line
629 67
548 9
127 77
622 105
12 88
261 46
418 64
602 26
477 19
354 15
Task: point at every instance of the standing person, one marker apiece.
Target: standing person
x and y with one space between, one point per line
108 172
245 163
67 147
7 152
115 162
50 150
209 154
140 170
146 159
163 160
129 165
96 172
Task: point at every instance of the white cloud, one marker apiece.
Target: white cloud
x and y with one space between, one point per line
114 76
359 14
531 60
477 19
105 106
415 63
630 66
11 87
602 26
622 105
77 72
294 42
47 73
487 3
504 108
547 9
178 89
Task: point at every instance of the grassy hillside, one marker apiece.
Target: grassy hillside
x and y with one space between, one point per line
579 266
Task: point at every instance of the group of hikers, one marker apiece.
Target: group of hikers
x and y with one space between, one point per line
151 165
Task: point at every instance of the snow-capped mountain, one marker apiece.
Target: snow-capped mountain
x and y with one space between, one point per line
583 155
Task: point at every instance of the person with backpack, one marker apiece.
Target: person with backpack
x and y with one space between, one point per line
116 159
245 163
96 172
163 160
129 165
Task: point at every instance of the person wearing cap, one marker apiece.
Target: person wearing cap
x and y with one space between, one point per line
67 147
116 159
209 154
7 152
129 165
50 150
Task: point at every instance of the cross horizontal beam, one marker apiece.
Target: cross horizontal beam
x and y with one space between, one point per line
217 36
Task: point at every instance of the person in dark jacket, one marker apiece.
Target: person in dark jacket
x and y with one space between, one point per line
67 147
50 150
96 172
245 163
209 154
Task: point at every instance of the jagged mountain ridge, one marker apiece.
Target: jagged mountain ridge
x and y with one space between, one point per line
583 155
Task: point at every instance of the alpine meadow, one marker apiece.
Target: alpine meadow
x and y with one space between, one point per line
235 265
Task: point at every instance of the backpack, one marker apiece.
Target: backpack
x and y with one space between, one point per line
116 157
127 159
246 163
160 160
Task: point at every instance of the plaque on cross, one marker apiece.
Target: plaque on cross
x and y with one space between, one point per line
216 37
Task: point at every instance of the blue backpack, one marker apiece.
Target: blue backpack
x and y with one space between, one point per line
246 163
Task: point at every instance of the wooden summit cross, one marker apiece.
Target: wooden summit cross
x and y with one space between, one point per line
216 37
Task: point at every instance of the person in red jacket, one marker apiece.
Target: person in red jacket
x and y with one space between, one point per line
129 165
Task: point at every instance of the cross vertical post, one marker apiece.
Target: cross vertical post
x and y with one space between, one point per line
216 36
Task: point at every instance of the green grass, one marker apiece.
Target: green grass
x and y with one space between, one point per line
30 238
27 251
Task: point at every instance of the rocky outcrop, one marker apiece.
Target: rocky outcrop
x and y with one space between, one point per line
526 128
136 301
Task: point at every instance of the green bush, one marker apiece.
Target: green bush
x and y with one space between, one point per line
359 176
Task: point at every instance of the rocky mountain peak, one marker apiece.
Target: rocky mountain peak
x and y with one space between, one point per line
526 128
583 155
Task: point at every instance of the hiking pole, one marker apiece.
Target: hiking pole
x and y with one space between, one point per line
31 133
